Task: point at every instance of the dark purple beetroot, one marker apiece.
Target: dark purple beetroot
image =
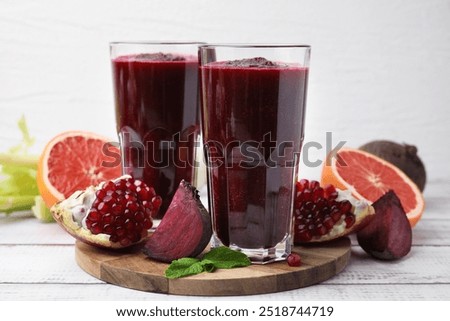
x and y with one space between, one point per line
389 235
185 229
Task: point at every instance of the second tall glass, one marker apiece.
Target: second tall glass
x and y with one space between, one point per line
157 115
253 107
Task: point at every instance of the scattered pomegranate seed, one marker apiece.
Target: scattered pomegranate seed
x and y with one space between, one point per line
294 259
316 210
123 210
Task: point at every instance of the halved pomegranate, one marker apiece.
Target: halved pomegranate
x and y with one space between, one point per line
326 213
114 214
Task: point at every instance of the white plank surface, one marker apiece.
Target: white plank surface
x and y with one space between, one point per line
37 262
321 292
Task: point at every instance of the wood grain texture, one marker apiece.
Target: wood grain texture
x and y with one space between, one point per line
134 270
318 292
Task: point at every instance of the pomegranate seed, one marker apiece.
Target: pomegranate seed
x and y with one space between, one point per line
329 190
129 225
88 223
132 206
114 238
94 216
120 231
143 193
302 184
128 214
349 220
117 209
125 209
156 201
125 241
345 206
147 205
109 186
336 215
103 208
96 228
100 194
294 259
147 223
120 185
320 229
107 219
333 195
108 229
313 185
321 203
317 194
304 235
108 198
306 195
139 217
119 220
151 192
139 227
328 222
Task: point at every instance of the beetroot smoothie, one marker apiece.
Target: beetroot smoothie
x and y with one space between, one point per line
253 111
157 118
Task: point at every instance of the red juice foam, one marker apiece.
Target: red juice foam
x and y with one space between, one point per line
253 130
157 118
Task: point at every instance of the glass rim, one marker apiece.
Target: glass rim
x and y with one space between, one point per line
256 45
154 42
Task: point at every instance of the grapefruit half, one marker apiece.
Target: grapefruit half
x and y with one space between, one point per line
370 177
74 160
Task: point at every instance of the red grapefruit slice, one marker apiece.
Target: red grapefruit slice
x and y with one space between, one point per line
73 161
370 177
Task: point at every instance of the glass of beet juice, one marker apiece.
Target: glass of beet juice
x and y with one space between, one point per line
157 112
253 106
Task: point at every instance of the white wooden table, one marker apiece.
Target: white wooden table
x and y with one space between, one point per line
37 263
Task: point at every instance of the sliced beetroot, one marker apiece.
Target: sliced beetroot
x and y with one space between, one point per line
185 229
389 235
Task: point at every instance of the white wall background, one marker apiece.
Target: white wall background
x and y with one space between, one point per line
379 69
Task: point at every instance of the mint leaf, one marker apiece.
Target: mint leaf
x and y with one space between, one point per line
208 265
225 258
184 267
218 258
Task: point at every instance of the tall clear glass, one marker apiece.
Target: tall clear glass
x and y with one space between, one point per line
253 106
157 112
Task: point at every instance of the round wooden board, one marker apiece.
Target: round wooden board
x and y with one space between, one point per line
132 269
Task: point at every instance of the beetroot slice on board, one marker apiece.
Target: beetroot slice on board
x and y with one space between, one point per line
185 229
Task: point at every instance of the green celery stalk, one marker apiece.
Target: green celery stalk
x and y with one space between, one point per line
29 161
9 204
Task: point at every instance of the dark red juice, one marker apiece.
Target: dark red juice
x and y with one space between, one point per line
157 118
253 130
